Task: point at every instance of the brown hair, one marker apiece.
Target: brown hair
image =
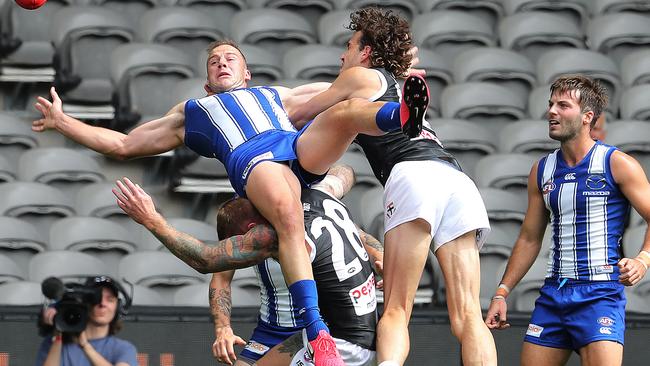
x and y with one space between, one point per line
592 94
227 42
388 35
232 213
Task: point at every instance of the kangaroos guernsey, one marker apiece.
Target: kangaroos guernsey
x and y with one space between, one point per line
343 274
383 152
241 128
588 213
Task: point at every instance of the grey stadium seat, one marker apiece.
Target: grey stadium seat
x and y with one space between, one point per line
500 238
573 61
575 11
7 171
220 11
493 260
145 296
15 137
632 137
636 302
353 201
634 103
197 295
633 240
505 171
468 141
20 241
185 29
97 200
449 32
524 295
310 10
619 34
505 209
197 229
83 36
362 170
313 62
496 65
535 33
21 293
204 175
101 238
527 137
438 76
191 88
65 169
9 270
635 218
144 75
538 102
65 264
493 105
635 68
614 6
132 9
488 10
27 51
36 203
372 208
274 29
332 28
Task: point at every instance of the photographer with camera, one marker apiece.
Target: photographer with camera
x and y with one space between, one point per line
80 328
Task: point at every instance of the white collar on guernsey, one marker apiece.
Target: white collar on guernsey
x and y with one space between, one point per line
384 86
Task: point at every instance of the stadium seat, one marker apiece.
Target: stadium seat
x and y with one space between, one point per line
633 240
26 50
635 218
538 102
83 36
197 295
493 260
372 209
468 141
634 103
191 88
632 137
527 137
145 296
635 302
332 29
488 10
505 171
37 203
204 175
505 209
498 66
101 238
574 11
618 34
66 169
20 241
614 6
7 171
406 8
524 295
536 33
573 61
494 106
220 11
503 240
187 30
158 270
438 76
66 265
449 32
144 75
9 270
97 200
15 137
273 29
354 198
635 68
132 9
313 62
197 229
362 170
310 10
21 293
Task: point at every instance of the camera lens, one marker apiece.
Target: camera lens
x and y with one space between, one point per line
72 317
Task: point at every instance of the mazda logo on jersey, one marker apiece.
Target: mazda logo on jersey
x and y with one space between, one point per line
596 181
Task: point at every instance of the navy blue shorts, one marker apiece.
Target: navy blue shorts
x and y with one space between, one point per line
577 313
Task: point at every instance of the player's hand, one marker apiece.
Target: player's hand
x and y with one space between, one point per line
223 347
48 315
632 271
51 111
136 203
496 317
414 61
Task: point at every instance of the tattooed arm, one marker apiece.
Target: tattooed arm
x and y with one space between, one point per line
235 252
283 353
373 246
220 299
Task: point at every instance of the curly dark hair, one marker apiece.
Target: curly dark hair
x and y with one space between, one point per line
388 35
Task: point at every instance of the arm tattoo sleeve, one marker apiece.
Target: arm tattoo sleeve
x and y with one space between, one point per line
220 304
235 252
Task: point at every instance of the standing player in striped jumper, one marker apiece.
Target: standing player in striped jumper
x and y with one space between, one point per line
267 160
585 188
426 196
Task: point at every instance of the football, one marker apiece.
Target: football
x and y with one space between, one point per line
30 4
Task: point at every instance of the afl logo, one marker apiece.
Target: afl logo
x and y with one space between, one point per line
596 181
605 321
548 187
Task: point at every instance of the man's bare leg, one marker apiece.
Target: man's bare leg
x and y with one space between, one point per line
460 265
406 249
602 353
533 355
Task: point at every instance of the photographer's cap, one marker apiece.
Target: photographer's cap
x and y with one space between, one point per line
103 281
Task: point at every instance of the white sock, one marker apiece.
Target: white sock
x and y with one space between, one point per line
388 363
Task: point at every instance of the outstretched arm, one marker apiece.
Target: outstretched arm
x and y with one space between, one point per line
239 251
155 137
220 299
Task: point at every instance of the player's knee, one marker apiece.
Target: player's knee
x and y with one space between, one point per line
462 319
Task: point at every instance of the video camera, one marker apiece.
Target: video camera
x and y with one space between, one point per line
73 301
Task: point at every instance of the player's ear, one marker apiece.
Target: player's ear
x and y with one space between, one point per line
247 75
251 225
